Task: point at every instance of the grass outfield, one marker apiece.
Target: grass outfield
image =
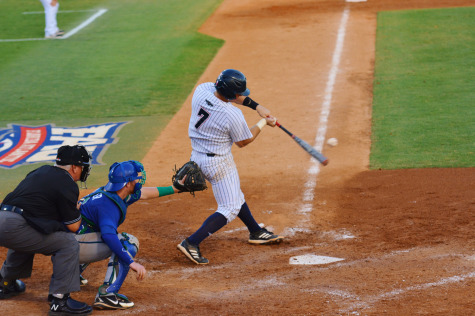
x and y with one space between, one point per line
423 107
137 62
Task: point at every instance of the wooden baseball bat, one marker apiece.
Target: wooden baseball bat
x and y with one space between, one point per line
312 151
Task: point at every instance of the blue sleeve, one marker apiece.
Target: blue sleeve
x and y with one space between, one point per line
116 246
108 219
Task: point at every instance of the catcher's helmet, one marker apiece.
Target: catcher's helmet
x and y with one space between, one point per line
122 173
231 82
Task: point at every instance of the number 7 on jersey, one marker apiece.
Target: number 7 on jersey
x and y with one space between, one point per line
204 115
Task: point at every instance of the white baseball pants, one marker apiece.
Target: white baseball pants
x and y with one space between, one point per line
222 173
50 17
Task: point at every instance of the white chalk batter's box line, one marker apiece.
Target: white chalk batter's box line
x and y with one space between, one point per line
362 303
67 34
356 302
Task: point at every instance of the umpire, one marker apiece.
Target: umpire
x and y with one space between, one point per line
41 216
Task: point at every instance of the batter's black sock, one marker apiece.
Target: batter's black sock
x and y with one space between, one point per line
211 225
246 217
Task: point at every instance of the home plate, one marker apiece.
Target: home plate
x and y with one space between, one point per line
313 259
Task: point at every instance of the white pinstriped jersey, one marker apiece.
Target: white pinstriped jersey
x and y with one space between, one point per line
215 125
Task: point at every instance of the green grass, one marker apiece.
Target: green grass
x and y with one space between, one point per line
138 62
133 56
424 89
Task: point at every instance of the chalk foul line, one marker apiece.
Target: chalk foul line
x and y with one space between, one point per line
314 169
84 24
60 11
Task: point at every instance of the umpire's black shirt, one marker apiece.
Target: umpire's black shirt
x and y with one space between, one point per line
47 192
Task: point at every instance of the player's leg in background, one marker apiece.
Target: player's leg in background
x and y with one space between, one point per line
51 27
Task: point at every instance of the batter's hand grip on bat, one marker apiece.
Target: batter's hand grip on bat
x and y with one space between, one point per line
312 151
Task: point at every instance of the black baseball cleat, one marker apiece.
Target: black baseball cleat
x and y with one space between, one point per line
263 237
192 252
112 301
67 306
11 288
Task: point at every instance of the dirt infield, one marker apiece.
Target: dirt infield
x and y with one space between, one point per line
406 237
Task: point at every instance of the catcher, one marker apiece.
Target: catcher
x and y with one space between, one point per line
104 210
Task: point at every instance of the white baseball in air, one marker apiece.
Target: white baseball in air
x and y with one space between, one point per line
332 142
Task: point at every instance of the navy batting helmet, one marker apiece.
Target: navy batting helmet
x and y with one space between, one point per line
231 82
122 173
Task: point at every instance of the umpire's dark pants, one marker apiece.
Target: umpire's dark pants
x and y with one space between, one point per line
23 242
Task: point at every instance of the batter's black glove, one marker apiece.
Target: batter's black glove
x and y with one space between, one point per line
189 178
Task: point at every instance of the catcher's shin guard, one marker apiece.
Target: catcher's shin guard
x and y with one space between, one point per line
116 270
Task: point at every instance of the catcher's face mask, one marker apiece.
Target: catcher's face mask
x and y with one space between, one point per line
141 175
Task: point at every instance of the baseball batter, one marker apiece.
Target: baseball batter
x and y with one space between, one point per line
102 212
215 125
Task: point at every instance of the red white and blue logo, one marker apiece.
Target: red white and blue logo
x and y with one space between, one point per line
21 144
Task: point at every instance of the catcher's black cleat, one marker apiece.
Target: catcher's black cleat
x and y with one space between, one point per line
11 288
192 252
68 306
112 301
264 236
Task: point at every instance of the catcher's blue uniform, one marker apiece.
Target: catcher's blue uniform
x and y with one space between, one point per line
102 213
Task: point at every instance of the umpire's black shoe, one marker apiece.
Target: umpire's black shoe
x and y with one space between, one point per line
192 252
67 306
264 236
11 288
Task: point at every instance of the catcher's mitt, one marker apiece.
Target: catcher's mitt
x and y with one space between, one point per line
194 181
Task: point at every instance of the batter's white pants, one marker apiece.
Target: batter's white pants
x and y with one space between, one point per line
50 17
222 173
